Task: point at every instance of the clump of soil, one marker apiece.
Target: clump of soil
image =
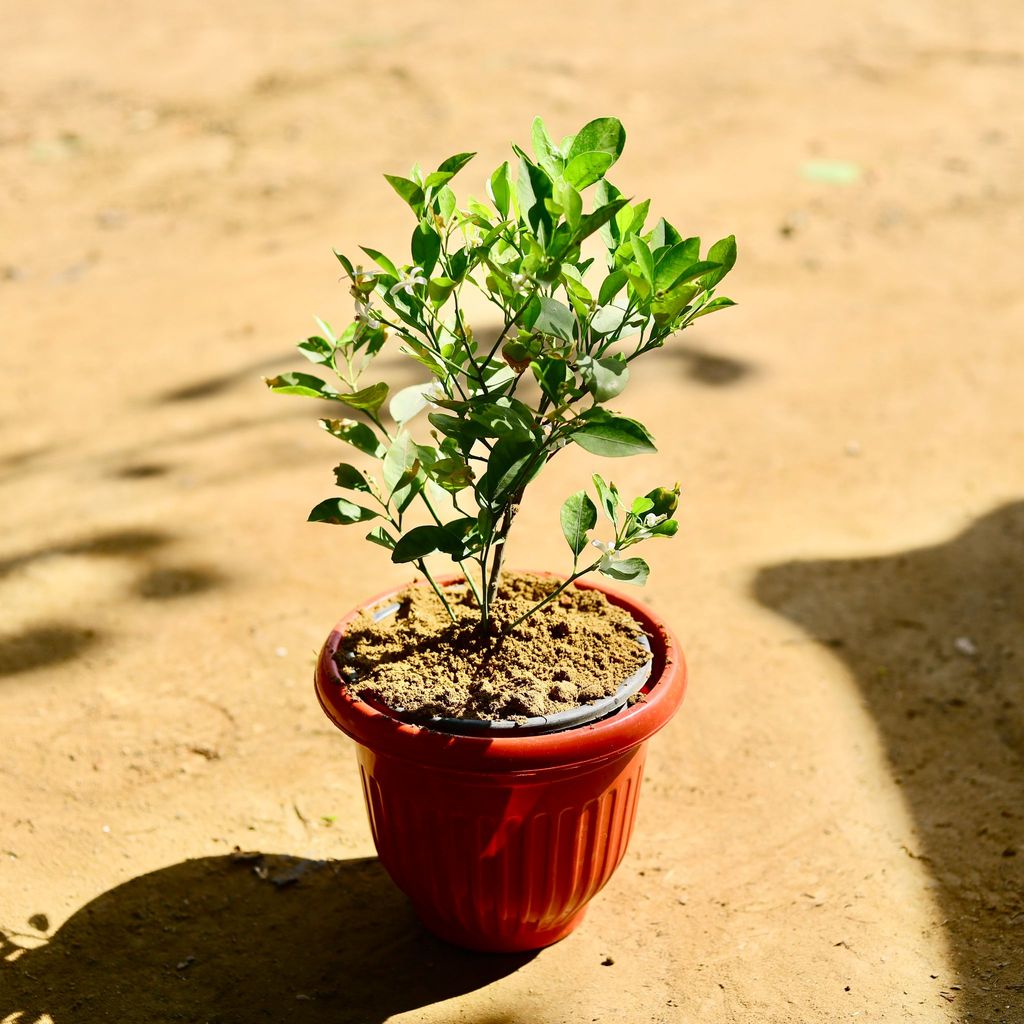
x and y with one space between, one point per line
575 650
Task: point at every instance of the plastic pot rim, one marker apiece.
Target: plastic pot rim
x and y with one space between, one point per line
506 751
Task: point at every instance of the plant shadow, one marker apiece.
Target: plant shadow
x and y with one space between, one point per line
242 938
935 639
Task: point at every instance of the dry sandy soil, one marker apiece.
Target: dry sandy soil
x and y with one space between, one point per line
833 829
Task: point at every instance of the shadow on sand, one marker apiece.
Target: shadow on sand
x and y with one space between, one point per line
935 640
243 938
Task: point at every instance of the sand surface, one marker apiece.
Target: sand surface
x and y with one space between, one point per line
833 828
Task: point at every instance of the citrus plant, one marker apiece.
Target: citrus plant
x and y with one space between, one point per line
500 408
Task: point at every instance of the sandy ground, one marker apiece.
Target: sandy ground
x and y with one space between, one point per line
834 826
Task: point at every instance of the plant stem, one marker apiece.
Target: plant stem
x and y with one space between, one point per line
422 566
554 593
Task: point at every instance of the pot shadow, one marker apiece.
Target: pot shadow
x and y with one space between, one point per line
935 639
242 938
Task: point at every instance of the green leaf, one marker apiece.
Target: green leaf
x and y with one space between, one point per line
400 470
505 464
608 495
604 433
445 203
448 170
611 286
545 150
551 373
714 306
604 378
667 306
317 350
595 221
340 512
499 189
426 247
378 535
603 135
674 262
586 168
346 263
640 506
346 475
452 474
408 190
555 318
533 186
359 435
578 515
440 289
368 399
629 570
644 259
382 261
695 270
421 541
723 252
408 402
664 234
300 384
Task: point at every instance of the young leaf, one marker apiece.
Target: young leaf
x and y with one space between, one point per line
603 135
714 306
555 318
359 435
608 495
300 384
448 170
551 374
378 535
347 476
629 570
426 247
724 253
317 350
644 259
611 286
340 512
579 516
368 399
499 190
408 190
382 261
586 168
604 378
545 150
452 474
400 470
604 433
408 402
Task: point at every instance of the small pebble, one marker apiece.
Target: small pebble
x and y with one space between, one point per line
852 448
281 652
106 828
965 646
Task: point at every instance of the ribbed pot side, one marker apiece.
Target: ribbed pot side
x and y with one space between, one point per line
500 843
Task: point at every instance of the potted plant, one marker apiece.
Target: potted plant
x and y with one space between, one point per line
501 719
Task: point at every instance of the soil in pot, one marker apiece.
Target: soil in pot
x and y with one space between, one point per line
577 649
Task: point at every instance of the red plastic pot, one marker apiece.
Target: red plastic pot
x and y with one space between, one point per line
500 843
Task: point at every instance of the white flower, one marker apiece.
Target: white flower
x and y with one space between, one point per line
409 280
518 279
651 520
365 315
609 556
